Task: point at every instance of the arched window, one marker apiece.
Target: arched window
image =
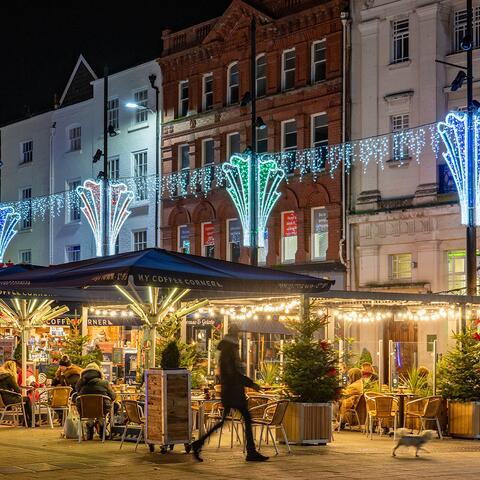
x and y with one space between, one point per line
261 77
233 84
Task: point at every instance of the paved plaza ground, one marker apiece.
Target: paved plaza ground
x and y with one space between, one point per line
42 454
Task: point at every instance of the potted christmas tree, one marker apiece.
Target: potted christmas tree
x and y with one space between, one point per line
459 380
310 373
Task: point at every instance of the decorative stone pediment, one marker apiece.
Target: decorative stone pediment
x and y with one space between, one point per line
235 17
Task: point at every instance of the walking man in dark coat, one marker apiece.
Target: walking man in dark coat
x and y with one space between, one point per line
233 384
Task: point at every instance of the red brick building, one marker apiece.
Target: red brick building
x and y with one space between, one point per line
299 97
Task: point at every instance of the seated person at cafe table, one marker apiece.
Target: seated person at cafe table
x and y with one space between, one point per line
351 392
67 374
92 382
8 383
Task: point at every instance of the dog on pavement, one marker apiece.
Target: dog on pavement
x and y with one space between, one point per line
407 440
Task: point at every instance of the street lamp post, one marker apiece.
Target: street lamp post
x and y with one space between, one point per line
152 79
253 162
105 160
471 247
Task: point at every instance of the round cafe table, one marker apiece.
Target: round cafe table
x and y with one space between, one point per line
401 406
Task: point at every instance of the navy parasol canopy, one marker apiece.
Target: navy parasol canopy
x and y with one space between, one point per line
161 268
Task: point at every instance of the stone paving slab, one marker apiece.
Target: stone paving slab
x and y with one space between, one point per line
41 454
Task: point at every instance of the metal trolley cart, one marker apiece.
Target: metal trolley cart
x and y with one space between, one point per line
168 414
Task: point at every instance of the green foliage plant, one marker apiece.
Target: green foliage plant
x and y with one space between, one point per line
459 369
310 367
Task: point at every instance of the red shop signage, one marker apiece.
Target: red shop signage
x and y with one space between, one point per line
289 224
208 234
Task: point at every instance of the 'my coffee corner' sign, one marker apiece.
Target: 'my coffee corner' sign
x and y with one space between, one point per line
98 322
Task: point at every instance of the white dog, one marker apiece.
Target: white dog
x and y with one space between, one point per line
407 440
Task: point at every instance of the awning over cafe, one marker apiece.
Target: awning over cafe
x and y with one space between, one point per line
161 268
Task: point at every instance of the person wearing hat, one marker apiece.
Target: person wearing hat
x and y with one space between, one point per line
67 374
92 382
233 383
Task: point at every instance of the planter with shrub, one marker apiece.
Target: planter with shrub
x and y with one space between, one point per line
311 376
459 381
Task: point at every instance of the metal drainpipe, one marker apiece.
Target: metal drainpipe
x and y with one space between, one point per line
51 188
345 240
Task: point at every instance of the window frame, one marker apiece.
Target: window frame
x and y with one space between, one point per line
140 179
113 173
72 208
400 37
206 108
282 238
20 256
204 151
284 71
75 142
313 63
397 128
182 100
229 243
202 238
262 140
315 258
141 115
232 86
113 113
179 238
23 161
26 223
229 143
394 264
283 124
134 243
260 79
312 130
73 250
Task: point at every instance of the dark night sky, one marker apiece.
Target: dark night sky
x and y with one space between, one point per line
40 42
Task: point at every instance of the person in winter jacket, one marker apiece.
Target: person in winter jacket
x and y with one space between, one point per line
67 374
8 382
92 382
233 384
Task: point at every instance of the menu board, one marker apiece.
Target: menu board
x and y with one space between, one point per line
154 406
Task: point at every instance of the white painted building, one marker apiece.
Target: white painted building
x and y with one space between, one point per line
404 220
60 146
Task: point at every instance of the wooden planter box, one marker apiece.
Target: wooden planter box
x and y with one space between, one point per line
308 423
167 406
464 419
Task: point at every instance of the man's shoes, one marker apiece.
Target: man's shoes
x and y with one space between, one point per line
256 457
196 449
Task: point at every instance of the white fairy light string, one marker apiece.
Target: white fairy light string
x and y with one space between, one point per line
325 160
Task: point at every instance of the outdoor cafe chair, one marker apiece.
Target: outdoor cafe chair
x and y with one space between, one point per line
273 416
232 420
13 409
135 419
350 414
91 408
381 408
54 399
429 412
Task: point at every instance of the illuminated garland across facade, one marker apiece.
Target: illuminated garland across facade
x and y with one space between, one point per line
269 176
118 201
454 133
8 221
313 162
